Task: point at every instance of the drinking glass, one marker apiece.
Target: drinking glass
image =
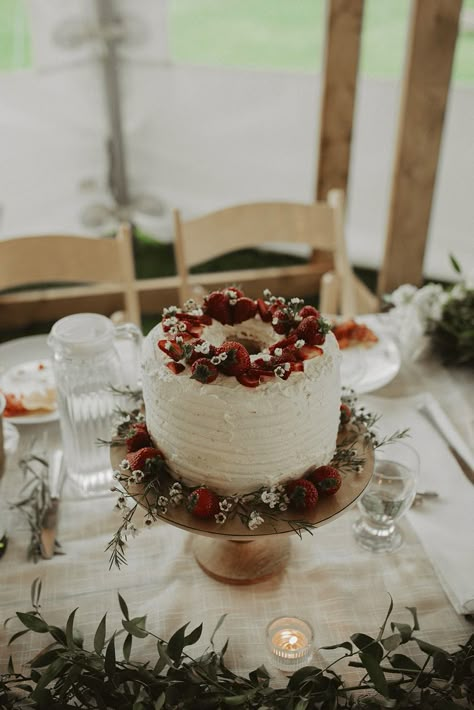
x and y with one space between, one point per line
387 497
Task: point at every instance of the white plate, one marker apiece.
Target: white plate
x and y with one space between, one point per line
20 359
367 368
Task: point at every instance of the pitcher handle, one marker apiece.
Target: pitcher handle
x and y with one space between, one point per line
131 332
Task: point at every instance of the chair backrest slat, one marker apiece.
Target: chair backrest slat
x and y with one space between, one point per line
56 259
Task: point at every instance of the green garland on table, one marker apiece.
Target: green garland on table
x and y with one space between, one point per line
66 674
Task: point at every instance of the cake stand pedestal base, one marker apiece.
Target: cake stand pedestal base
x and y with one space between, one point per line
242 562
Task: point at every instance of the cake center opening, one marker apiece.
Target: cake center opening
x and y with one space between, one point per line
252 346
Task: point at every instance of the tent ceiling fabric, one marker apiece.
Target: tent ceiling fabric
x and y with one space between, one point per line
200 138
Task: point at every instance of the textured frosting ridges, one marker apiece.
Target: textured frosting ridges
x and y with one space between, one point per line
234 439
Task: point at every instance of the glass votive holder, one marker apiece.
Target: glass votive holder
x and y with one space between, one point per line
289 643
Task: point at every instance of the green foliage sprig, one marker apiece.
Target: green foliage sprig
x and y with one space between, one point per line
67 674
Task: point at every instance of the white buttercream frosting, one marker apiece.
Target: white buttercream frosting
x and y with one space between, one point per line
235 439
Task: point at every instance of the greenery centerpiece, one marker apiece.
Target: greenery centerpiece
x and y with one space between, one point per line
67 673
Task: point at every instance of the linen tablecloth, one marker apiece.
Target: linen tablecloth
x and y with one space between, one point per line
339 588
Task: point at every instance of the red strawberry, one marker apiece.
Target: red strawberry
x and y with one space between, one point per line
249 379
137 437
261 372
217 306
192 354
302 494
307 352
244 309
345 414
171 348
297 366
202 503
149 460
237 360
175 367
264 310
327 480
284 343
309 311
309 330
204 371
282 322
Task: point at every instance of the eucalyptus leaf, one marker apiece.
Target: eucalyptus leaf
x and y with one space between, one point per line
398 660
414 613
135 628
127 647
99 637
70 630
404 630
109 663
217 627
375 673
123 606
176 644
428 648
32 622
345 644
368 645
390 643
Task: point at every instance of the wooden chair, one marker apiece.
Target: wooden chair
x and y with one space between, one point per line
98 265
319 225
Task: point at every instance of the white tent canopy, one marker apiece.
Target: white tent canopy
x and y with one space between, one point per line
199 137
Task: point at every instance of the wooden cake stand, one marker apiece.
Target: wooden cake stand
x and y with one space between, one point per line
232 553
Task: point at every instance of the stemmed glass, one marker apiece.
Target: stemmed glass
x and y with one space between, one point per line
387 497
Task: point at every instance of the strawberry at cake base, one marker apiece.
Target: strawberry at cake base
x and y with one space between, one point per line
235 439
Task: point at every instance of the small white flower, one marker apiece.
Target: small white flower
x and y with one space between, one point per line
190 304
278 352
296 301
299 343
124 465
274 321
174 330
266 357
222 357
255 520
283 507
179 339
225 505
220 518
216 360
287 366
267 293
280 371
168 345
280 299
139 476
266 496
162 504
117 475
181 326
298 318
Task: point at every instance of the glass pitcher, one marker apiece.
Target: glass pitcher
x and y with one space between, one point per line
87 366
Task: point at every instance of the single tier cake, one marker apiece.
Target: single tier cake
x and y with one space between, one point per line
241 394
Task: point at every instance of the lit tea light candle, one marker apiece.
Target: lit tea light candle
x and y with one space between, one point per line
290 642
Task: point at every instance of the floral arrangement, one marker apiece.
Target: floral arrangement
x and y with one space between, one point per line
302 327
442 317
145 465
68 674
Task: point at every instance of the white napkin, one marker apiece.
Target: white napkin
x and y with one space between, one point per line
444 525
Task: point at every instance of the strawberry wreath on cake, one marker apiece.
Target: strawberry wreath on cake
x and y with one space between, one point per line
242 416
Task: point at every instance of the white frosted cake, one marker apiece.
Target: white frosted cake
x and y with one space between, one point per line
238 405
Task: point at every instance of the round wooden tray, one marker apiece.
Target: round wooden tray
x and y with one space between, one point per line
220 549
